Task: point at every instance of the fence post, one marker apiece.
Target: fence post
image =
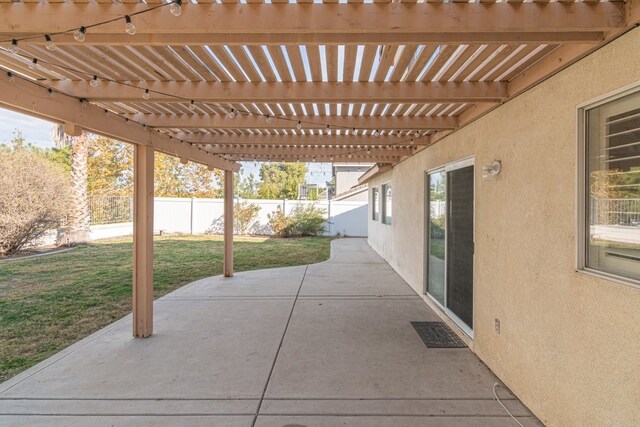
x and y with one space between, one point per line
329 217
191 219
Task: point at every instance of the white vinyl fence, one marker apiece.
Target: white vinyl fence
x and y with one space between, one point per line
198 216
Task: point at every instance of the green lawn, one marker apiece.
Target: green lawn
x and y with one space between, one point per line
50 302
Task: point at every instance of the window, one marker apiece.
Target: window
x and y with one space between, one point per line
611 193
386 203
375 204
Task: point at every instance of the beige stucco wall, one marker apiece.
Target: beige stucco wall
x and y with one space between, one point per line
569 345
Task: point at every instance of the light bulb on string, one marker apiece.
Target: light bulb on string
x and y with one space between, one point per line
146 95
176 8
49 44
79 34
269 119
34 64
11 77
94 81
376 133
128 25
412 142
299 125
13 47
231 114
354 131
349 156
192 105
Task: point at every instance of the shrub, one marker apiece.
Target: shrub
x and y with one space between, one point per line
303 221
279 222
308 221
34 198
244 213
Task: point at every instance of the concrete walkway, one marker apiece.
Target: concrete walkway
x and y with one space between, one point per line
320 345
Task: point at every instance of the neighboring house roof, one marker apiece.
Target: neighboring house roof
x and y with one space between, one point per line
351 192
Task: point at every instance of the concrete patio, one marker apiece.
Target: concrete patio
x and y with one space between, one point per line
319 345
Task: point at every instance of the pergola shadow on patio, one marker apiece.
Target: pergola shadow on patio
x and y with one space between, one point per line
324 344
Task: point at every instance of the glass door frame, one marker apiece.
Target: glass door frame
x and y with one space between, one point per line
458 164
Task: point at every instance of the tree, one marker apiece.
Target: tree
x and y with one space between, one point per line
281 180
175 179
110 166
246 188
78 230
34 196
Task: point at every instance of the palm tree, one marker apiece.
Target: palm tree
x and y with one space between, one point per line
78 229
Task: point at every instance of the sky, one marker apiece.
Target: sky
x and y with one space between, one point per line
38 132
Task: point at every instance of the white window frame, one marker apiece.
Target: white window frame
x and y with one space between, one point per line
581 183
448 167
375 205
383 203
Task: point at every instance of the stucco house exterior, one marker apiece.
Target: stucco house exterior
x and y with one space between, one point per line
494 226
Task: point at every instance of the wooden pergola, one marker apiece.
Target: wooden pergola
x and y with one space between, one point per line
248 80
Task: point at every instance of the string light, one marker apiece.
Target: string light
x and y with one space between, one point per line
106 113
94 81
231 114
79 34
411 142
376 133
49 44
192 105
176 7
128 25
10 77
52 94
349 156
299 125
34 64
146 95
13 47
269 119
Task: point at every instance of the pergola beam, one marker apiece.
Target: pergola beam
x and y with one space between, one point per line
250 151
298 140
318 23
337 158
32 99
298 92
244 121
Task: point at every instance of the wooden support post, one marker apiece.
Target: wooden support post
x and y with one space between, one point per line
228 223
143 241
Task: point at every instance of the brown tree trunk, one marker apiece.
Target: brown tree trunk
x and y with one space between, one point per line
79 212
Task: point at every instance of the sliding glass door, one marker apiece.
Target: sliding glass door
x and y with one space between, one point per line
450 241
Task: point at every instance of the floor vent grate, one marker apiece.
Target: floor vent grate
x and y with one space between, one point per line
437 335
